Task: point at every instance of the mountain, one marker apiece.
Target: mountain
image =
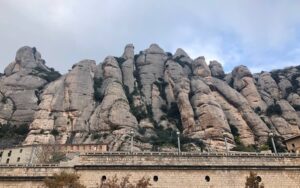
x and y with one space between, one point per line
155 94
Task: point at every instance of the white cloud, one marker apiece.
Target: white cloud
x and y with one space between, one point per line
233 31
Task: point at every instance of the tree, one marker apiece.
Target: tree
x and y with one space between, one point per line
253 181
47 154
125 183
63 180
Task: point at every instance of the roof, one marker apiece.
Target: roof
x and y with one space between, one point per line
36 145
292 138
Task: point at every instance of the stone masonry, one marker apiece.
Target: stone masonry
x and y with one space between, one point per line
169 169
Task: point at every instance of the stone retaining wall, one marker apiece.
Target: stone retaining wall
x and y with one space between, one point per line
170 170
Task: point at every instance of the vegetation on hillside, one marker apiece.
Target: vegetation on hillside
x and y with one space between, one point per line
12 134
49 76
63 180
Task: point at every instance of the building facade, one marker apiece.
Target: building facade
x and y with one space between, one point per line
165 170
29 154
293 144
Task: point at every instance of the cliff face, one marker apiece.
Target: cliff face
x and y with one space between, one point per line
153 93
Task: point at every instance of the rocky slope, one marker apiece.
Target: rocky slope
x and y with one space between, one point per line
154 94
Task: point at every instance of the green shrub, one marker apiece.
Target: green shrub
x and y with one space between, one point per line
120 61
275 75
4 99
296 107
149 111
22 129
49 76
182 63
168 137
186 140
128 95
163 117
8 130
257 110
54 132
244 148
97 85
142 130
135 57
264 147
278 144
137 77
237 139
11 135
234 130
96 136
169 54
161 85
165 137
138 112
173 112
57 157
63 179
274 109
164 108
294 80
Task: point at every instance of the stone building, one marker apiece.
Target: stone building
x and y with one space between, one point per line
293 144
16 155
28 154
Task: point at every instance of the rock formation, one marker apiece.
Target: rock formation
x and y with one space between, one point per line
151 95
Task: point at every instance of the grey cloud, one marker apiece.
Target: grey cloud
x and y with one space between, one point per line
68 31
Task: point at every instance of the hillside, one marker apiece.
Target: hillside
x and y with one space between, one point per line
156 94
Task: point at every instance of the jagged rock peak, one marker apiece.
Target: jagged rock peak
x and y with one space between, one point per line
26 58
241 71
216 69
85 63
200 67
128 52
180 53
154 49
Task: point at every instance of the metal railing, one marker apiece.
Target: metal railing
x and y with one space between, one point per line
187 154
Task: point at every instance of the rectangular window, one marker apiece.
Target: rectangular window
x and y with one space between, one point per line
21 150
9 153
18 160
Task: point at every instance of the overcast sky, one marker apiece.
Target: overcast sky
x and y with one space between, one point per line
262 35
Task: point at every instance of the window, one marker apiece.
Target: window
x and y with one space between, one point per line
9 153
293 145
18 160
7 161
207 178
155 178
21 150
1 153
103 178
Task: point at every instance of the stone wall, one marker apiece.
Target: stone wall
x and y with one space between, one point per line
29 154
213 170
196 178
16 155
